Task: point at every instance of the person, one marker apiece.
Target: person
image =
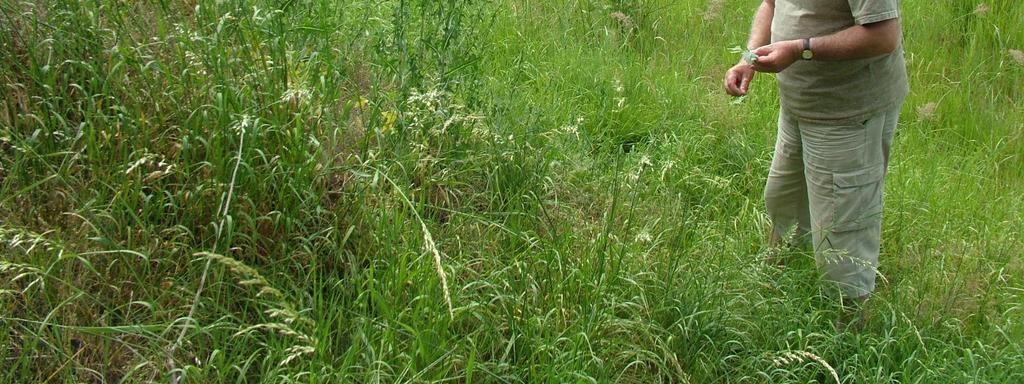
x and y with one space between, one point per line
842 79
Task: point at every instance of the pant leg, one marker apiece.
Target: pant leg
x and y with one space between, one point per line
845 170
785 193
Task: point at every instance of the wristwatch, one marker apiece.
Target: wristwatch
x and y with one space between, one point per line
807 54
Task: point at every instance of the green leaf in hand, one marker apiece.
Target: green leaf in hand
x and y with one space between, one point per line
748 56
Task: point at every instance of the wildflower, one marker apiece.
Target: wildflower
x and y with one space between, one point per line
643 237
572 129
387 121
620 100
244 123
356 113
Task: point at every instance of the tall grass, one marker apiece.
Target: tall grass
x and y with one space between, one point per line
505 191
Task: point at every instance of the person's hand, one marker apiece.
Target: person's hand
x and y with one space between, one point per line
737 79
777 57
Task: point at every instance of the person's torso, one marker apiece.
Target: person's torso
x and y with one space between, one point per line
834 91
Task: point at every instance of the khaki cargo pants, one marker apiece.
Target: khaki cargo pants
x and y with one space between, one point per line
827 180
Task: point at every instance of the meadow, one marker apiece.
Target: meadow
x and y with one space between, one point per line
504 191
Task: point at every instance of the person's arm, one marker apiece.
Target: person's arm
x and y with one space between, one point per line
761 28
856 42
738 78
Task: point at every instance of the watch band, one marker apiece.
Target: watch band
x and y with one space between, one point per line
807 53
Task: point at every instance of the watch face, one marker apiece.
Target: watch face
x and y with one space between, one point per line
807 54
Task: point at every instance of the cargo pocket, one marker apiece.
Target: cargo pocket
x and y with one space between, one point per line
857 199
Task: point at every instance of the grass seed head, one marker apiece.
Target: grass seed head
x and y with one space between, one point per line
927 111
1017 56
796 357
982 9
714 10
625 22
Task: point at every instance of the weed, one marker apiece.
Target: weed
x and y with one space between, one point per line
477 191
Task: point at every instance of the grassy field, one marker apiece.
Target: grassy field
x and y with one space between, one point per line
511 191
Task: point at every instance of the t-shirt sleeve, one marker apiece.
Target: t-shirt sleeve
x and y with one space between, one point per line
873 11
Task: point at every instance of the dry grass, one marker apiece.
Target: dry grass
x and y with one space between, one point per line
797 357
927 111
1017 56
624 21
982 9
714 10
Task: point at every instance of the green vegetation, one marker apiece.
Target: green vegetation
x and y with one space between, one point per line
748 56
508 191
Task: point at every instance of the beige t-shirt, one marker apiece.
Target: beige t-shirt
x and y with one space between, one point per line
837 91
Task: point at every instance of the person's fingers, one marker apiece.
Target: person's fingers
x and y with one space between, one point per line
730 83
767 58
767 63
732 89
737 80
